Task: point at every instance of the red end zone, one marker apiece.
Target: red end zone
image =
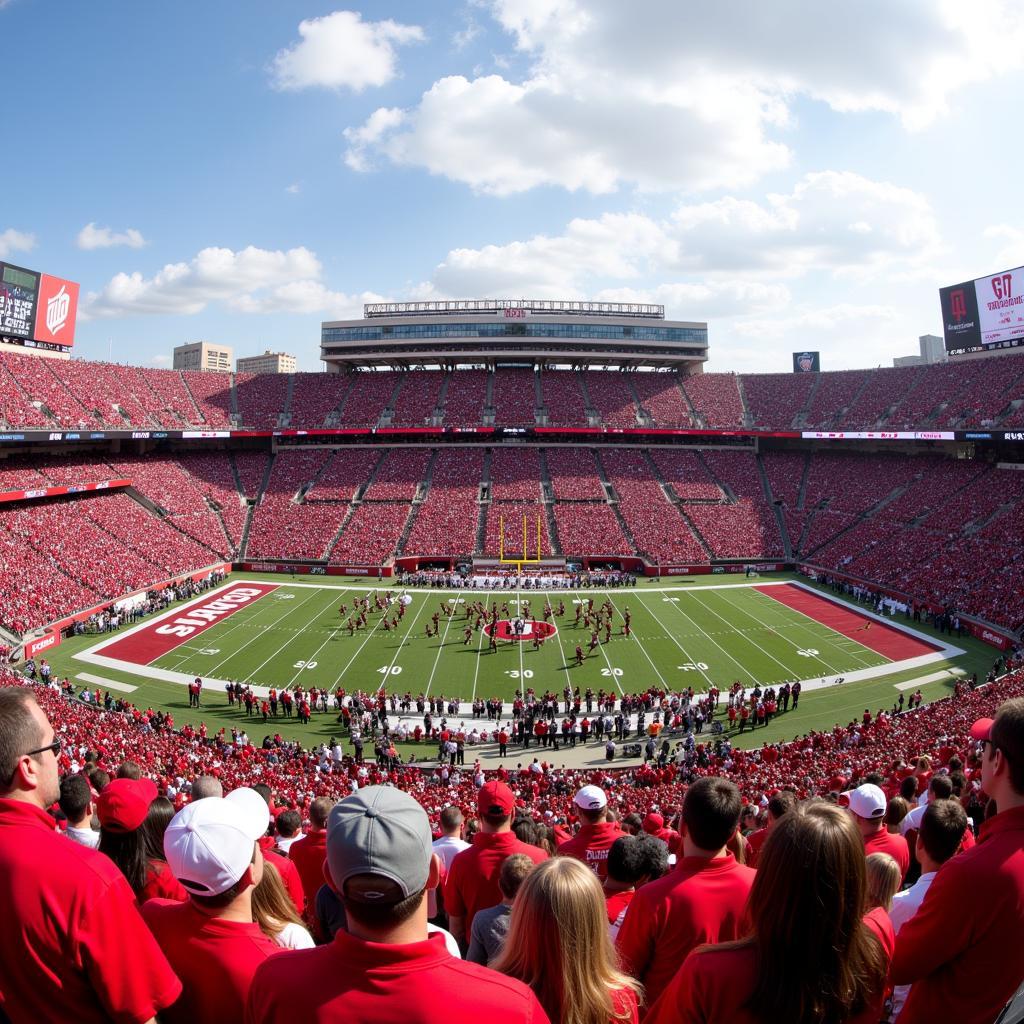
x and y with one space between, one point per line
892 643
155 639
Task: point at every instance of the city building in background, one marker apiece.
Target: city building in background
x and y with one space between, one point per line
269 362
933 350
203 355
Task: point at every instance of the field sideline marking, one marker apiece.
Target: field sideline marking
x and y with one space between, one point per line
112 684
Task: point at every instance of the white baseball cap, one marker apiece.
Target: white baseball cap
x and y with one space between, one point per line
209 843
868 801
591 798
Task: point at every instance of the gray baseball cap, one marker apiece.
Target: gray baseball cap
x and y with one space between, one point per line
380 831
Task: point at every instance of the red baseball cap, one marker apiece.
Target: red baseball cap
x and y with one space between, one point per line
653 823
982 729
495 798
124 804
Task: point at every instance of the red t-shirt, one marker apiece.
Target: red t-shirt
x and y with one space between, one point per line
215 960
288 871
416 983
472 883
68 918
700 901
616 905
161 884
884 841
308 855
591 845
713 985
754 843
961 951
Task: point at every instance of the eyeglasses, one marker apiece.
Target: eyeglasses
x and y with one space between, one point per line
54 746
995 746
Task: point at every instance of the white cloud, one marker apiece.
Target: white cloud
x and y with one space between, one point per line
92 237
160 361
702 102
340 50
466 35
1011 245
293 189
362 139
15 241
251 280
831 221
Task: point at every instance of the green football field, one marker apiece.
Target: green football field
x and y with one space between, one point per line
690 632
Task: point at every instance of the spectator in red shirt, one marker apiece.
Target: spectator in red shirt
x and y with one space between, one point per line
632 861
558 944
132 822
778 805
285 868
702 900
810 955
596 835
472 882
868 806
386 966
309 853
970 926
69 916
212 940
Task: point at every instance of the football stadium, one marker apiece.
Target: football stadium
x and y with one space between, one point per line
531 656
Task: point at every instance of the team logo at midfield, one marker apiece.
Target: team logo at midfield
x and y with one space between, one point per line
520 629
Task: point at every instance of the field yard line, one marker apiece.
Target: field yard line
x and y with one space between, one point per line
280 618
359 649
332 634
479 648
611 671
250 677
642 648
440 651
519 643
798 625
788 669
821 625
113 684
671 637
558 631
401 643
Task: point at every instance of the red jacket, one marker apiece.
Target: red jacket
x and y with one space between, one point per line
962 950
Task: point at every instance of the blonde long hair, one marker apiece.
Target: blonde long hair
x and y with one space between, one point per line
558 944
272 907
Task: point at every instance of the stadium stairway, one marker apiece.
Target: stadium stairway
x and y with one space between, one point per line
285 416
548 500
613 501
748 416
236 414
697 417
417 503
776 505
801 416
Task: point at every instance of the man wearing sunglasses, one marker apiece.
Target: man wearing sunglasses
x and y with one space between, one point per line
72 944
961 952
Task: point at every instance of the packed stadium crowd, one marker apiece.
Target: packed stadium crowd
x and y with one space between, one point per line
875 868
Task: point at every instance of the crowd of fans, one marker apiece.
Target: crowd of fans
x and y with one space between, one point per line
76 394
870 872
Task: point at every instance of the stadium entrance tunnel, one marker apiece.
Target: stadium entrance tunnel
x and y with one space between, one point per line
520 629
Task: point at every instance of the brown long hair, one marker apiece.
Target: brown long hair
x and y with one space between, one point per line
806 906
272 907
558 944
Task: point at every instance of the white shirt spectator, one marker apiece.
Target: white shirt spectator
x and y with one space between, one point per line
904 906
84 837
447 847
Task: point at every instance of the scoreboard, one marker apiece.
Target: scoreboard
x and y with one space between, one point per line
984 314
37 308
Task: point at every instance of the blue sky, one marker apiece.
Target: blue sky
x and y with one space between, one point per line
798 174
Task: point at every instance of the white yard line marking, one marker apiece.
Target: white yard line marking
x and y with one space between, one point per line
401 644
686 654
788 669
440 651
249 678
913 684
479 648
110 684
611 669
642 648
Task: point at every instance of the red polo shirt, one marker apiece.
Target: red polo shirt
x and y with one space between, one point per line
72 944
161 884
962 950
288 871
884 841
700 901
215 959
416 983
716 984
591 845
308 855
754 843
472 883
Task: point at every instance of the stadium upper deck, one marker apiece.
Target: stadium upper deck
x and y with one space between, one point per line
526 332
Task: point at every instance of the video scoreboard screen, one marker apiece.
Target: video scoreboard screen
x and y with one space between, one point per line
37 308
987 313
